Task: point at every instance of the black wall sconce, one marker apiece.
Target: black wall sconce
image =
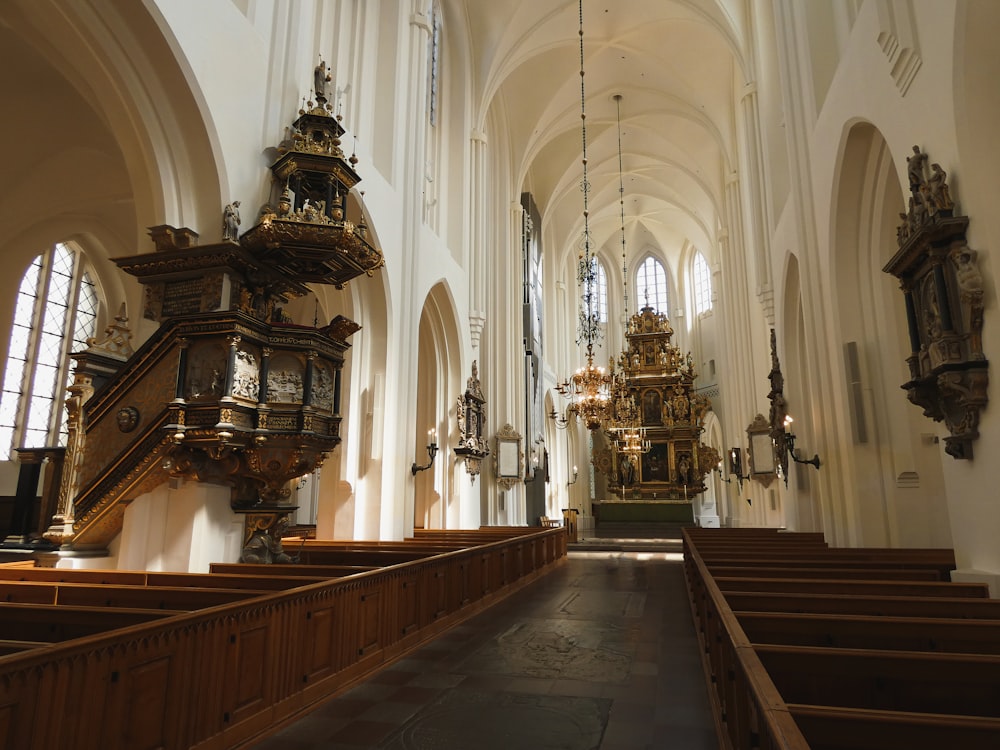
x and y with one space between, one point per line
790 444
432 450
789 449
735 468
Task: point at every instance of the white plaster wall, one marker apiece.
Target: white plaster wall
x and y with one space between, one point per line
376 53
181 530
862 89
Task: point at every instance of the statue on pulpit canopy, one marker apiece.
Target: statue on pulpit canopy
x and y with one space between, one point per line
320 79
231 221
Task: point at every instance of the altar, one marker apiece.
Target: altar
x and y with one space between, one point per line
655 511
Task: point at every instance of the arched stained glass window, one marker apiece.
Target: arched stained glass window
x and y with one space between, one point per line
701 282
54 315
651 285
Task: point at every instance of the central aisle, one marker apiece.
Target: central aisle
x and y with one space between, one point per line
600 653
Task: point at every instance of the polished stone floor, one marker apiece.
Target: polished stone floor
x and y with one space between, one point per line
598 654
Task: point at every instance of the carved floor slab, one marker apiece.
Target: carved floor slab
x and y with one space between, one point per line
557 649
487 720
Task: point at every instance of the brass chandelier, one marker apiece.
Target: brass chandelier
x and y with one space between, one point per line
589 387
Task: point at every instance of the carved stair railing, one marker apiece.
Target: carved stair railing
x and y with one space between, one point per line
226 399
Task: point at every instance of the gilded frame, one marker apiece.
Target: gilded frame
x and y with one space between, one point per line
508 457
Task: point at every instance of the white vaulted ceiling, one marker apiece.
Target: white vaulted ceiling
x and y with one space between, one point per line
677 65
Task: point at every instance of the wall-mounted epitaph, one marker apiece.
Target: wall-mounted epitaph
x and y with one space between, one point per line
471 414
943 294
509 457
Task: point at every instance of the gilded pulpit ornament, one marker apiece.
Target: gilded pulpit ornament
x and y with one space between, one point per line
128 418
117 339
471 412
304 228
943 294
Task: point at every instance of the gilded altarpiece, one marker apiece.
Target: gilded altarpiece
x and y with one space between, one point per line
659 381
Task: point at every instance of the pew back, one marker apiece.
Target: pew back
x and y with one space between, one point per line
864 649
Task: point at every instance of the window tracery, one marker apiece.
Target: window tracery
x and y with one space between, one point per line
55 314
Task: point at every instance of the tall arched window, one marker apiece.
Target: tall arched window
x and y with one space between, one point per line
54 315
701 280
651 284
601 289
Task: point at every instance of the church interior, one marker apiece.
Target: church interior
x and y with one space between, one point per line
491 272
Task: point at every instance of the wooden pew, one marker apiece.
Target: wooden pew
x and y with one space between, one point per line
254 583
900 606
871 572
269 581
289 570
872 632
919 682
111 595
940 560
498 532
223 676
861 586
53 623
366 557
58 575
9 646
838 728
867 648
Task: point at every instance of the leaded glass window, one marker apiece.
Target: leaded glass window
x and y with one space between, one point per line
702 283
54 314
651 285
601 289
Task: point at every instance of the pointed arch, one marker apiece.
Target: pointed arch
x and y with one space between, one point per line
883 428
439 379
123 65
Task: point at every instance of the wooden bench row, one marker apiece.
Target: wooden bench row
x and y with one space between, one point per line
177 598
257 578
40 606
861 648
110 657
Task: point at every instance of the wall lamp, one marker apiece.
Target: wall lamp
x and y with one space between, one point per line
575 475
790 446
432 450
735 468
561 420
